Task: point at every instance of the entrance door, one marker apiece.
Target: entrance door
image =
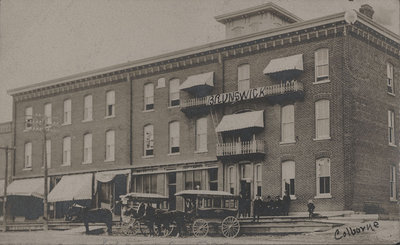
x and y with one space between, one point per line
172 190
245 189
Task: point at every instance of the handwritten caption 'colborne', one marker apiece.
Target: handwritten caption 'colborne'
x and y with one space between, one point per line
354 231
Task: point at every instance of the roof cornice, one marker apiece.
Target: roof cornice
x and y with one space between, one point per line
210 47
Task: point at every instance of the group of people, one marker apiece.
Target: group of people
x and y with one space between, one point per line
270 207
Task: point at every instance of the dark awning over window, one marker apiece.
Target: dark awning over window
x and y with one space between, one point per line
290 63
254 119
204 79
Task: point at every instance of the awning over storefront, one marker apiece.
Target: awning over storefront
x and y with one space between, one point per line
72 187
294 62
108 176
204 79
253 119
26 187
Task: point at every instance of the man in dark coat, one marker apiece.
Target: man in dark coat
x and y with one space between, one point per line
310 207
257 208
269 204
286 203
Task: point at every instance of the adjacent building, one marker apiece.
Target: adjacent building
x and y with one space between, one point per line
308 107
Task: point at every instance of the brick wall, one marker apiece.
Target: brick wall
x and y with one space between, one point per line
76 130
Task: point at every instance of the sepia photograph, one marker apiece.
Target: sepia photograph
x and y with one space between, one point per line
199 122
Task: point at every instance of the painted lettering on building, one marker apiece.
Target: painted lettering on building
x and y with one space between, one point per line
236 96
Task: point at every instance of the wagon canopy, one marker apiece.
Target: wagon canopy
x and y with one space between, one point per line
144 196
204 193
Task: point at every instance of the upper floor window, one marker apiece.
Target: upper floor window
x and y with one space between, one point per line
67 111
110 145
28 117
174 92
148 138
389 73
48 153
201 134
67 151
149 97
28 155
323 176
174 137
243 77
322 127
393 183
88 108
287 126
288 177
87 148
110 103
47 113
391 127
321 65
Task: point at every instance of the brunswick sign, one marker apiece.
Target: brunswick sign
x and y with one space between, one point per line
254 93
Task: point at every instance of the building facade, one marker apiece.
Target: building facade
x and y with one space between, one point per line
309 107
6 139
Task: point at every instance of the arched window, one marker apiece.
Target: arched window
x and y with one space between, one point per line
322 121
174 92
174 137
321 65
148 140
288 177
148 96
287 127
110 145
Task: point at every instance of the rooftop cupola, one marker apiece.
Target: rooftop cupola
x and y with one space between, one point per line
255 19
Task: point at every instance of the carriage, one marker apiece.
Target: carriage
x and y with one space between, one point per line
133 219
207 210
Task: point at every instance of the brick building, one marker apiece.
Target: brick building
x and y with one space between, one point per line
5 141
309 107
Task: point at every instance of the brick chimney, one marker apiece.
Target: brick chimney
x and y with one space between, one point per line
367 10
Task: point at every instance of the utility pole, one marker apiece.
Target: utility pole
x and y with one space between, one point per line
43 125
5 186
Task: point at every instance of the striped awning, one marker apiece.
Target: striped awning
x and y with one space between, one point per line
204 79
26 187
294 62
253 119
72 187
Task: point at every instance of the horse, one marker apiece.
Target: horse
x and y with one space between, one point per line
86 215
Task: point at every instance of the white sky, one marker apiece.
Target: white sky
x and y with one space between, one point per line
45 39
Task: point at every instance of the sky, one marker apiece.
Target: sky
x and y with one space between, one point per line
42 40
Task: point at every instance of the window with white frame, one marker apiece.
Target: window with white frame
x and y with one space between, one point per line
393 181
47 113
287 126
88 108
288 177
66 151
323 177
201 134
174 137
231 179
391 127
258 175
28 117
110 103
322 124
174 92
28 155
321 65
389 79
48 153
87 148
149 97
67 111
148 137
243 77
110 145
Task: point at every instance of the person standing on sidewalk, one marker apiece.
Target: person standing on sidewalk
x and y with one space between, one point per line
257 207
286 203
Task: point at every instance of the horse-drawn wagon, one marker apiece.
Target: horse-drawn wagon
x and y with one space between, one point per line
145 212
206 209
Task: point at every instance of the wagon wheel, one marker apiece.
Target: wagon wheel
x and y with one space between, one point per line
144 229
131 228
200 228
230 227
